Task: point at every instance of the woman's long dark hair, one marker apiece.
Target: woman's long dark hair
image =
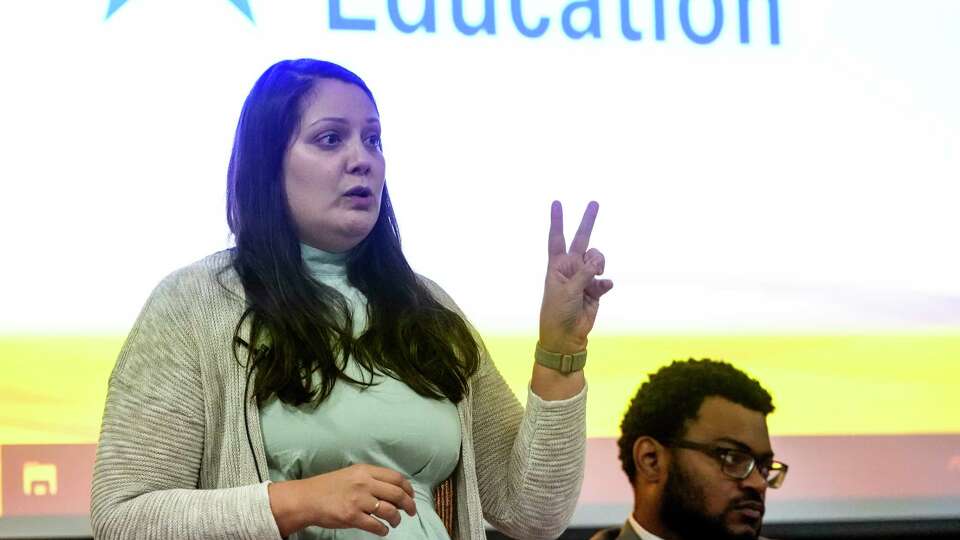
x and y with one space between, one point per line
300 327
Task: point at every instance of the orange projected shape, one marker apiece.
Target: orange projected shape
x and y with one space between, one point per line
954 464
39 479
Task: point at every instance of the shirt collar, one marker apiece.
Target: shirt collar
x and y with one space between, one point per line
641 532
323 263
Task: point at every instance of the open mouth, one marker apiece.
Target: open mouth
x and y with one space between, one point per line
359 192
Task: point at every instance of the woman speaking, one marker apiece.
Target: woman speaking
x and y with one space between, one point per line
307 383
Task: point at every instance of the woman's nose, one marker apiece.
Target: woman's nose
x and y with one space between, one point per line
359 160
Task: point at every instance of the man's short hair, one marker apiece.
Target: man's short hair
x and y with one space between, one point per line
674 394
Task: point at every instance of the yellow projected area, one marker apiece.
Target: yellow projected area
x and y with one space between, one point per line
52 388
821 385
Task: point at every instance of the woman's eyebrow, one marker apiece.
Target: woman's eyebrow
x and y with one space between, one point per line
341 120
335 119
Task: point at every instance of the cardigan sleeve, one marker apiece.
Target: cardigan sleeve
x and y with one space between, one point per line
147 470
529 462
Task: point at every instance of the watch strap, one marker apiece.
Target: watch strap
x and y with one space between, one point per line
564 363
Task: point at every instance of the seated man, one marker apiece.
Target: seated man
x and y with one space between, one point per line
695 447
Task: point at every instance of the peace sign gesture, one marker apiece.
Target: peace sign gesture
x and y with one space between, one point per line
571 293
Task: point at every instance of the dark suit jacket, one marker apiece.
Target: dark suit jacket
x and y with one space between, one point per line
623 533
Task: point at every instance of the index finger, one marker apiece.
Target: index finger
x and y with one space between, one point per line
556 244
582 239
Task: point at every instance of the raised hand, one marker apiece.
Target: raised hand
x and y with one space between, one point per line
572 291
348 498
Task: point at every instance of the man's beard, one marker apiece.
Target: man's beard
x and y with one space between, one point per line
682 511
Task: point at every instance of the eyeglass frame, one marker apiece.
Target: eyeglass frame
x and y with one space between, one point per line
718 452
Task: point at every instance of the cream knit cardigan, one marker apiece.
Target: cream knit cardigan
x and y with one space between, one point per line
174 460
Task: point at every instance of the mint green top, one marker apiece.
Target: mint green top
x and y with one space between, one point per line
180 425
387 424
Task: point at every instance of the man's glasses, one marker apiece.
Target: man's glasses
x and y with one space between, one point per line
739 464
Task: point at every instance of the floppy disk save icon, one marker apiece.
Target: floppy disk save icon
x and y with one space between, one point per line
39 479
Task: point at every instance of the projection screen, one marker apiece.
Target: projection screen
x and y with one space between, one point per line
777 180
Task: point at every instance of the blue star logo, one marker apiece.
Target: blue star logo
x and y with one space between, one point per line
242 5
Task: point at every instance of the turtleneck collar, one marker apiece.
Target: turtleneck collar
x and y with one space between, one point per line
323 263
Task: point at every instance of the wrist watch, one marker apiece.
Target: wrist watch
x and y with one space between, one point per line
564 363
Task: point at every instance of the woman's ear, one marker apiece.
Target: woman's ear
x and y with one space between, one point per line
650 458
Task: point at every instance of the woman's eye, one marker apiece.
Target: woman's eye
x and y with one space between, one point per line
328 139
374 140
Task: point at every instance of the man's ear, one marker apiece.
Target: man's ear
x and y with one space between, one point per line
650 458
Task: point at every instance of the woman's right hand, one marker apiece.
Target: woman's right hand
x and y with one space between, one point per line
348 498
